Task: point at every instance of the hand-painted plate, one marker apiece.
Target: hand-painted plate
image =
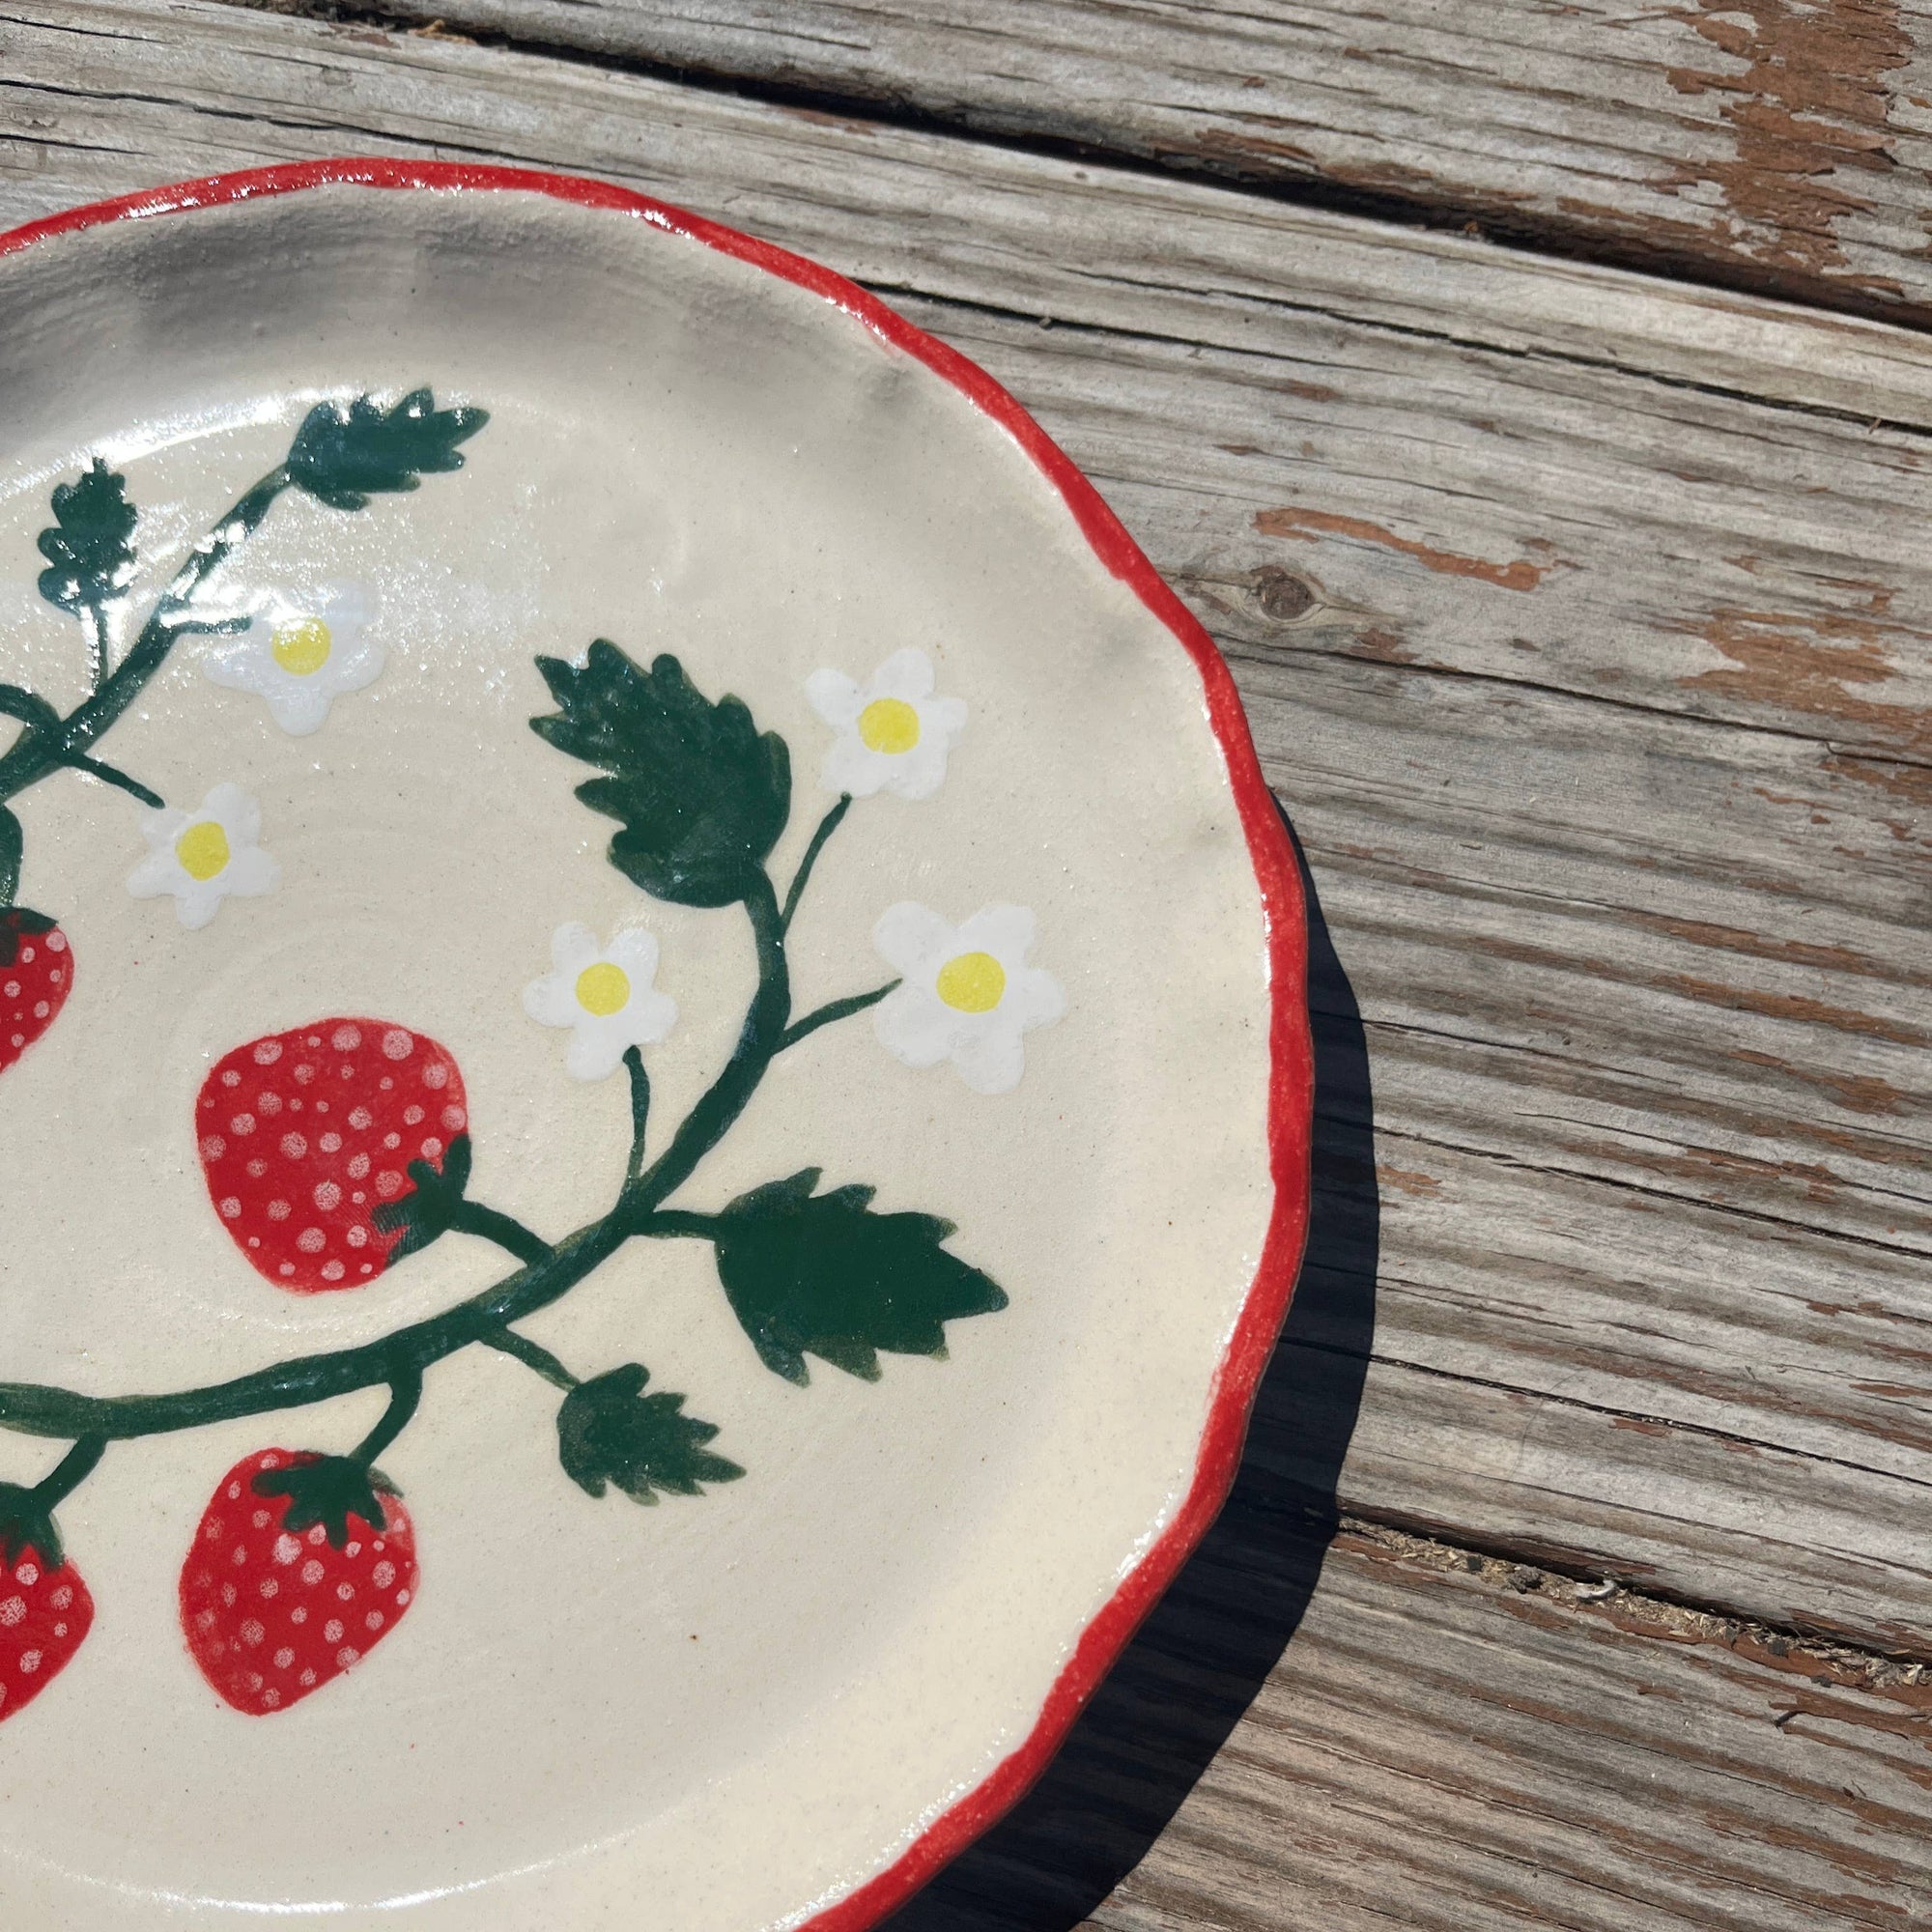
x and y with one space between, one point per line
653 1077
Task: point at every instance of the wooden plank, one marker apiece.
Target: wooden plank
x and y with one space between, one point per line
1450 1744
1578 620
1781 146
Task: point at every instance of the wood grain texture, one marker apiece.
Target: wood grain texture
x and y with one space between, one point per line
1451 1744
1581 624
1776 144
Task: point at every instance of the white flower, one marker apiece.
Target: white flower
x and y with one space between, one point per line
301 654
204 854
603 994
966 993
894 734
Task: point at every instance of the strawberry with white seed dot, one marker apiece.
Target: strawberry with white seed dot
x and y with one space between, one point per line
304 1135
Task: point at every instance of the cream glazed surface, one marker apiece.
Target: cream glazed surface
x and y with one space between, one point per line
838 1080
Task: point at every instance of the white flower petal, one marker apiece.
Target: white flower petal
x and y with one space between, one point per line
235 812
636 950
912 938
299 711
918 773
991 1059
1007 932
1034 998
852 766
249 874
572 947
157 874
906 675
913 1026
552 1001
197 901
649 1017
596 1049
835 698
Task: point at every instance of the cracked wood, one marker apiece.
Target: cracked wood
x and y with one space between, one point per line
1776 144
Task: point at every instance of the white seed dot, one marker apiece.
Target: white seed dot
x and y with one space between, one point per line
398 1044
284 1658
346 1038
242 1124
268 1052
294 1146
332 1630
311 1240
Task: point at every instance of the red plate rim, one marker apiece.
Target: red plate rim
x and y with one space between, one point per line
1291 1077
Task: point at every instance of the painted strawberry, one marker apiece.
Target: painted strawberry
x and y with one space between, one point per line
45 1611
326 1148
300 1566
36 976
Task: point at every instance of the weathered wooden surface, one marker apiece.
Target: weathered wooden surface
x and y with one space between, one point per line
1581 621
1452 1749
1776 144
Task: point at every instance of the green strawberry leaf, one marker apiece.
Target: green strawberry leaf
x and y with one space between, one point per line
427 1211
822 1274
27 1523
329 1490
609 1431
701 795
344 454
90 560
10 849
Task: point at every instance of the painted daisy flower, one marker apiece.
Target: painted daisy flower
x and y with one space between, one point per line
203 856
301 654
603 994
893 735
966 993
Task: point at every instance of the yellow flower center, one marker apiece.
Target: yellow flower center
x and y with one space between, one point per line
602 990
203 850
889 724
302 647
975 982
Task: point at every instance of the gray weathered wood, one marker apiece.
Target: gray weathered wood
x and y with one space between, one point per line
1578 621
1452 1749
1781 145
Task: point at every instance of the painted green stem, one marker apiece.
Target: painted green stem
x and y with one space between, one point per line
827 826
532 1355
405 1396
472 1217
70 1472
640 1110
44 748
834 1010
550 1272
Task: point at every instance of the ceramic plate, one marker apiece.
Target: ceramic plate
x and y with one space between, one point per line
653 1076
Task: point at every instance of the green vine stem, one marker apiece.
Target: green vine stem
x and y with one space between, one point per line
46 745
550 1272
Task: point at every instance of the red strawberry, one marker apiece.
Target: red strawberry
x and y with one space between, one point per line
44 1616
299 1569
304 1135
36 976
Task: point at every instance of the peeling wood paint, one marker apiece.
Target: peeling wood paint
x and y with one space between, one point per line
1309 526
1809 111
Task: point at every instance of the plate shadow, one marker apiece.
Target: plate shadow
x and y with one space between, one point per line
1199 1659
